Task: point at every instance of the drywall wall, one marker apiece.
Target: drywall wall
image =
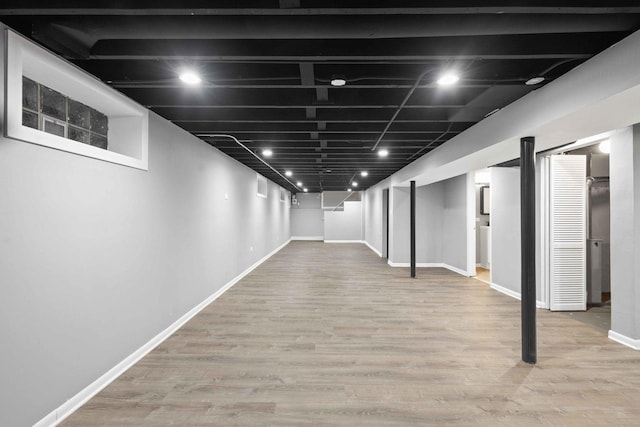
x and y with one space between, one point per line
505 228
307 219
344 225
374 216
429 224
98 258
454 224
625 232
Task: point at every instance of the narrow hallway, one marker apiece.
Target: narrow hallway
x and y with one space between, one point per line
328 334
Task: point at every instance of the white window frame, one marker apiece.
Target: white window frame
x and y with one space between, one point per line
47 119
128 135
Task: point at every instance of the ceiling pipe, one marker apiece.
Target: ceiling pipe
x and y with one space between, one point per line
221 135
400 107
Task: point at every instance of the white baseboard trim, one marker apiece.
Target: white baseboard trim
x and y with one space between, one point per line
456 270
59 414
514 294
430 265
321 238
343 241
503 290
624 340
372 248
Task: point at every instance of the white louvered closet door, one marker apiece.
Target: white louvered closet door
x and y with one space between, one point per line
568 233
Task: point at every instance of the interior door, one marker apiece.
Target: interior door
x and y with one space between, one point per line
568 233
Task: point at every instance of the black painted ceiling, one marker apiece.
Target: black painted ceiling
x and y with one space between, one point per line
266 67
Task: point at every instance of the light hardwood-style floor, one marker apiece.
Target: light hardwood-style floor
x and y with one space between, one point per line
329 335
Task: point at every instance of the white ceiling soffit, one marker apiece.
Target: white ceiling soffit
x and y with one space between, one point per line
600 95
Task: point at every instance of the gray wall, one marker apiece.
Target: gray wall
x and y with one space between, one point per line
505 228
625 232
98 258
430 214
345 224
307 217
373 215
454 226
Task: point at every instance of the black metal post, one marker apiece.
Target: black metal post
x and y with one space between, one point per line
528 248
413 229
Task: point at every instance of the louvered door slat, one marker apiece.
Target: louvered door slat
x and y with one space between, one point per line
568 233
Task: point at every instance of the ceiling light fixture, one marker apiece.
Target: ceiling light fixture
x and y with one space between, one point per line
348 189
288 173
364 173
267 152
534 81
605 147
190 78
383 153
299 184
338 80
354 184
305 190
448 79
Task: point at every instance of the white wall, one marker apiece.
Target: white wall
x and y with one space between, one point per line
345 225
505 228
307 219
98 258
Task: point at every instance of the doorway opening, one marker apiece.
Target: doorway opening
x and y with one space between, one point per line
483 225
385 223
576 223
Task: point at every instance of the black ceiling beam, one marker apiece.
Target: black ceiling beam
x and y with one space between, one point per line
90 29
64 8
326 115
312 127
494 47
289 106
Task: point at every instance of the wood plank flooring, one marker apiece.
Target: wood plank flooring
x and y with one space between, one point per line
329 335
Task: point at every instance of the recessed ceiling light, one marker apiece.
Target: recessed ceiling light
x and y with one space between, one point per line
348 189
288 173
534 81
605 147
338 80
328 171
448 79
299 184
364 173
191 78
383 153
354 184
267 152
305 190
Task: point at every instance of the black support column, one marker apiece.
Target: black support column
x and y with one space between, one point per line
528 248
413 229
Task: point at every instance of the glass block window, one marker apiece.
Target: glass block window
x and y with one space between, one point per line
50 111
